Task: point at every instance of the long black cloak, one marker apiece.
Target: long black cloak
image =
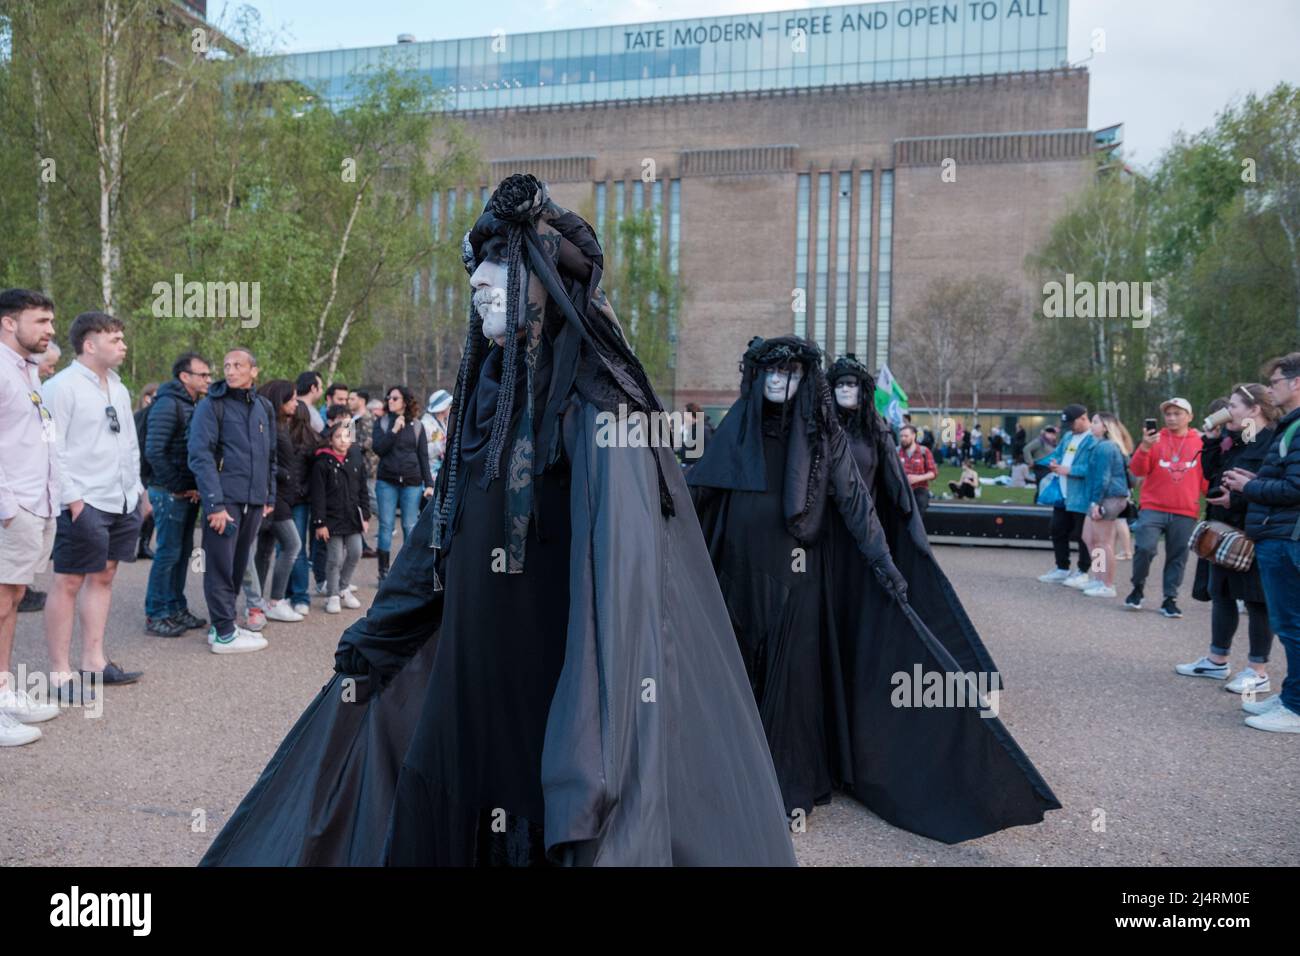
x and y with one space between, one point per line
949 773
585 705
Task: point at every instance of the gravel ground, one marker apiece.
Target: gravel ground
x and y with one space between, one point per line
1093 700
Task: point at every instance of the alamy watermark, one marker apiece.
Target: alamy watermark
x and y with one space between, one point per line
87 689
1098 300
208 300
922 688
638 429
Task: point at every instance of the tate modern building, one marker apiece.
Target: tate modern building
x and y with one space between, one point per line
808 171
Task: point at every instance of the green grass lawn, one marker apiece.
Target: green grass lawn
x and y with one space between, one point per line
989 494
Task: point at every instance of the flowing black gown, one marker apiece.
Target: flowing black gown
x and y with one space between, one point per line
834 643
506 718
773 585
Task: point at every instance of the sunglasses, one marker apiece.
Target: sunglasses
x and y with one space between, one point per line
40 406
114 425
394 398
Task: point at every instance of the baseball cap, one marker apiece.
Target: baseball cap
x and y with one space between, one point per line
1182 403
1072 412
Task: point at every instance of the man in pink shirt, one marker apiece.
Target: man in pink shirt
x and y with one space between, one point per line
29 491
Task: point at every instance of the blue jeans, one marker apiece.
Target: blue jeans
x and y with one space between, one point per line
1279 569
389 497
173 520
298 593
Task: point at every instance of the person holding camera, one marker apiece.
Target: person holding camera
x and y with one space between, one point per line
1107 482
1170 461
1273 524
1246 436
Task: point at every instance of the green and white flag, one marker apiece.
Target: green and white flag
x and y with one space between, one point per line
891 400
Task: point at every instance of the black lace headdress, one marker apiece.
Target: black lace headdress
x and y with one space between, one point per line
554 266
734 458
863 420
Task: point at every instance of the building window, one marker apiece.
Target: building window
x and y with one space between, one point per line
862 314
823 257
674 224
801 258
451 226
842 263
601 191
674 241
883 266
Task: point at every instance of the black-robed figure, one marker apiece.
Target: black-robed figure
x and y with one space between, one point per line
821 557
548 673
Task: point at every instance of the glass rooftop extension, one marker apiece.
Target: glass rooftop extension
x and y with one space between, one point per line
857 43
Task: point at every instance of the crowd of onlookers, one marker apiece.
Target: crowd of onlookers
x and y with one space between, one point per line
282 479
1244 465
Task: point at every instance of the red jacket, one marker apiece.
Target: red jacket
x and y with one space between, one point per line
1172 486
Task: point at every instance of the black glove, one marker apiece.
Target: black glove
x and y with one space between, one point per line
890 578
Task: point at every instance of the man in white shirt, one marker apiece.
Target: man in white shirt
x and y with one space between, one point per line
102 497
29 492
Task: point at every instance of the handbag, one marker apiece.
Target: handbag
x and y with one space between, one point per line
1049 491
1224 545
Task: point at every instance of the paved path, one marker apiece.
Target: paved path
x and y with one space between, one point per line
1093 701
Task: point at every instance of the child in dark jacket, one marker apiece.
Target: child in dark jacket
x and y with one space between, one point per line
340 512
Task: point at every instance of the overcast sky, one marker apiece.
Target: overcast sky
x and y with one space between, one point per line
1169 64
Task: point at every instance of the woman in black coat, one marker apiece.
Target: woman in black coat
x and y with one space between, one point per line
279 532
1244 442
402 478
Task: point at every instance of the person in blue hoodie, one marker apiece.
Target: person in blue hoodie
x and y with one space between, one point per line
232 454
1069 465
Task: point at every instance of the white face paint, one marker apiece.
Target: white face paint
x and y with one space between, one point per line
489 285
847 393
778 385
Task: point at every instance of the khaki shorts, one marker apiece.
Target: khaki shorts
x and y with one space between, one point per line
25 547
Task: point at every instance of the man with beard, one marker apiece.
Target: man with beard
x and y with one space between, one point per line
29 492
819 599
566 590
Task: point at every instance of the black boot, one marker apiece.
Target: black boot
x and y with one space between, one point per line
383 564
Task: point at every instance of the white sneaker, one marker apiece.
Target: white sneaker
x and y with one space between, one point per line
14 734
349 600
282 612
1054 577
241 642
1203 668
350 587
19 705
1100 590
1261 706
1279 720
304 609
1079 581
1248 679
332 604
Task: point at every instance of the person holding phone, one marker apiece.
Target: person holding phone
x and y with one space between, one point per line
1243 444
1273 523
1170 461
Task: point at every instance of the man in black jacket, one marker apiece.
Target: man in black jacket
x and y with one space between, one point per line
1273 523
174 495
232 455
